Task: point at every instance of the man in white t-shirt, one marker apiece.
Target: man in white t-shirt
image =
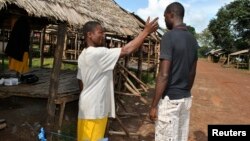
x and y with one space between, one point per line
95 74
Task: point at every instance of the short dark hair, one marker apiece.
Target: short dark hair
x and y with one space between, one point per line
175 8
89 26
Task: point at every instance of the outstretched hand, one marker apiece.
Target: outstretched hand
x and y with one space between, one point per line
151 26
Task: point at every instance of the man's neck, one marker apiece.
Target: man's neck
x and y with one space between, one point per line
177 23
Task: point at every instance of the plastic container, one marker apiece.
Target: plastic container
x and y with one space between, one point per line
10 81
1 81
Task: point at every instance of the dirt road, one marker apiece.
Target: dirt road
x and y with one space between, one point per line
221 96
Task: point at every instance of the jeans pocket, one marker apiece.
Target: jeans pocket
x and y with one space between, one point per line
188 103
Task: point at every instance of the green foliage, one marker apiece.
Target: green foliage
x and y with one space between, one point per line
148 78
231 28
205 39
192 30
35 51
202 51
48 63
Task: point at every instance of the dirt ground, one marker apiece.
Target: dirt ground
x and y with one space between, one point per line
220 96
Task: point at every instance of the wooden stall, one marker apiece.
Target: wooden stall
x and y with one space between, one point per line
239 59
65 16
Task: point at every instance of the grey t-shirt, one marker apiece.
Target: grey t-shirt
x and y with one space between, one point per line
180 47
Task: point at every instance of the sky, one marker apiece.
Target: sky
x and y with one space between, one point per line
198 13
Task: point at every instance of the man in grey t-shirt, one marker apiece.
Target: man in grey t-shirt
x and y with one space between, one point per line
178 57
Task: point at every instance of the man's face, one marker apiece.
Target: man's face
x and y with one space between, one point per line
97 36
168 20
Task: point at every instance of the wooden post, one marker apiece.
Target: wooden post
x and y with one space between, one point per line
78 48
64 56
75 47
149 52
42 40
54 76
139 70
31 48
3 45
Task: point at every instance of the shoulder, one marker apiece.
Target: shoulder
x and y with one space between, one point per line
104 51
167 35
96 51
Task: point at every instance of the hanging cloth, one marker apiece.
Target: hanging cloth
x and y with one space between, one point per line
20 66
18 46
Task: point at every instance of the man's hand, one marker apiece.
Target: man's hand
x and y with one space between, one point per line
153 114
151 26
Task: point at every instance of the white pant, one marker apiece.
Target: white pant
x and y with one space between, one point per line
173 119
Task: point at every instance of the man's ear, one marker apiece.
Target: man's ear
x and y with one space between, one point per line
89 34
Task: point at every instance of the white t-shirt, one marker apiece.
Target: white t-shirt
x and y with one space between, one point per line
95 69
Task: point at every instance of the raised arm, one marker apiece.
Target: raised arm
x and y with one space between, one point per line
137 42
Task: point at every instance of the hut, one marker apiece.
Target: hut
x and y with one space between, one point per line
215 55
239 59
65 15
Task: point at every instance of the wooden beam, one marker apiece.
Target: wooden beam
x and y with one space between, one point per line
122 133
54 76
129 81
3 45
139 70
31 48
131 74
75 47
122 125
42 40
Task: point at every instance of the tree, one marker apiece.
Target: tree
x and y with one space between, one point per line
231 28
192 30
205 39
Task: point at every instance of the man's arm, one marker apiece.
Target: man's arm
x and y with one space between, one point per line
192 75
161 84
80 84
137 42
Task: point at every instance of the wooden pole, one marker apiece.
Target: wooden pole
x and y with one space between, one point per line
3 45
149 52
31 48
139 70
129 81
54 76
123 133
64 56
42 40
131 74
122 125
75 47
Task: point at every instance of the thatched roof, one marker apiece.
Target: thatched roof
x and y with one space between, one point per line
77 12
245 51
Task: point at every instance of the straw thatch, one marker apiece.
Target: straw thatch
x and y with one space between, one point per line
77 12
